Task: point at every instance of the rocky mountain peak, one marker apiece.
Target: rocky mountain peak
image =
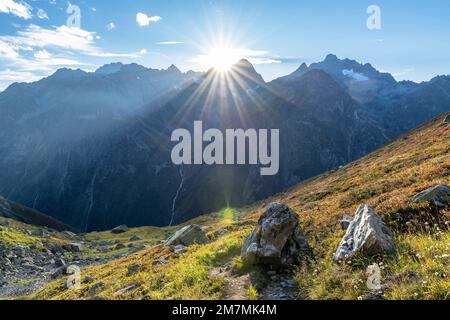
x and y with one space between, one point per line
173 69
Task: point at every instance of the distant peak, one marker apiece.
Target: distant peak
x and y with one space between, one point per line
331 58
244 63
66 72
173 68
303 68
109 68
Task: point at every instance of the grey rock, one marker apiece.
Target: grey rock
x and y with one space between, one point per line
88 279
69 234
345 222
120 229
439 195
134 268
367 234
126 290
95 288
39 233
179 249
160 261
120 246
73 247
5 223
135 238
59 262
277 240
59 272
187 236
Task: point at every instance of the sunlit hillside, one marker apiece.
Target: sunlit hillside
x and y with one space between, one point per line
386 180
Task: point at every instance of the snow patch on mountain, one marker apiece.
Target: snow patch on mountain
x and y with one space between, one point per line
354 75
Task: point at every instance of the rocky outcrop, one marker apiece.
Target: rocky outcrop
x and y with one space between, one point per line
189 235
438 195
367 234
277 240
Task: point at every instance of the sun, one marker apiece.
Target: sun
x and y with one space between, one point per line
221 58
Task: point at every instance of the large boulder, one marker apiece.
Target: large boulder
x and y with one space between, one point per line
367 234
189 235
438 195
120 229
277 240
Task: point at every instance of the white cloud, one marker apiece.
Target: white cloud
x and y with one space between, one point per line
41 14
63 37
35 52
263 60
11 75
144 20
20 9
229 56
42 54
110 26
168 43
8 51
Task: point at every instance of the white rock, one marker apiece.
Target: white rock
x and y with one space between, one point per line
367 234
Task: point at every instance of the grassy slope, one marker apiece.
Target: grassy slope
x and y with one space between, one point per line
386 180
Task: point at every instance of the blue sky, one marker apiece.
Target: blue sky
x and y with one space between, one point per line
277 36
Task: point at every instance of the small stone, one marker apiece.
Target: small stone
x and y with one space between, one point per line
135 238
179 249
126 290
88 279
95 288
134 268
120 246
59 262
73 247
160 261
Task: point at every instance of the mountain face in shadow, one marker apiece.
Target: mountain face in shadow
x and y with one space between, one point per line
93 149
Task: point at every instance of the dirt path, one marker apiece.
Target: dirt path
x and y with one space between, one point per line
277 286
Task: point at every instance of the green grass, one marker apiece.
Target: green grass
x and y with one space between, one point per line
12 237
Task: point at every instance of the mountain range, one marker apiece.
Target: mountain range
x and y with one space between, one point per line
92 149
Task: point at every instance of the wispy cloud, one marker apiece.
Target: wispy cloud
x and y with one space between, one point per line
18 8
232 55
169 43
35 52
63 37
143 20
